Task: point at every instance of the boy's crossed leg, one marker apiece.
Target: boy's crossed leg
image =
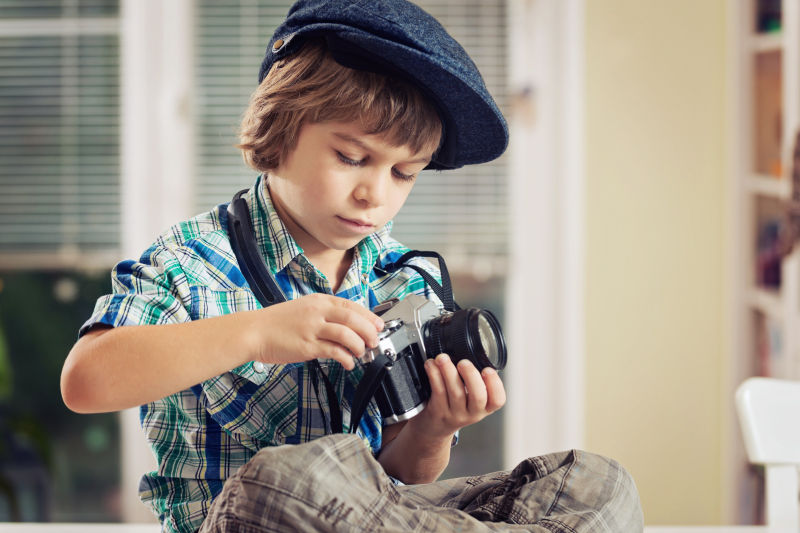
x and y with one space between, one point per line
335 484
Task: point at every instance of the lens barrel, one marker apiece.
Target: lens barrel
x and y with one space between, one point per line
470 333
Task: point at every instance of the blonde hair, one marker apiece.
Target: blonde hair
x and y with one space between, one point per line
311 87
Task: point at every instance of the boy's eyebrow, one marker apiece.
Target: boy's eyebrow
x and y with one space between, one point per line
361 144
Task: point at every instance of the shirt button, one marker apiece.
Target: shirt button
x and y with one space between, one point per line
258 366
365 278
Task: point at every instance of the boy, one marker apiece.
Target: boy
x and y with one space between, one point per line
355 99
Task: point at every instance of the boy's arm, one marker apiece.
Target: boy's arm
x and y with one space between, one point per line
460 395
127 366
110 369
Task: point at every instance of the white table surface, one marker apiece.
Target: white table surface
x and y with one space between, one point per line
31 527
710 529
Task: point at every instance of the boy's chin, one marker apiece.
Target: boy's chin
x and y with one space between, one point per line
349 244
343 245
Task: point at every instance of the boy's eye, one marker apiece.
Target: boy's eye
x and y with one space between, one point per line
347 161
403 177
360 162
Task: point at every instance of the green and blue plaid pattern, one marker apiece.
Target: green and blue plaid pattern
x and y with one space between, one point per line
202 435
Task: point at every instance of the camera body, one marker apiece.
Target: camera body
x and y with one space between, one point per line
415 329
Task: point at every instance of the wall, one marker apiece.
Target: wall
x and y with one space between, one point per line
655 234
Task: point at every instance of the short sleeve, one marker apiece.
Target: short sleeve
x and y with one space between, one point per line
152 290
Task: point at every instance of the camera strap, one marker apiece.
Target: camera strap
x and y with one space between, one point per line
443 291
267 292
367 387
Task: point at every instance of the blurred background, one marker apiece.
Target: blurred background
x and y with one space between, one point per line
635 240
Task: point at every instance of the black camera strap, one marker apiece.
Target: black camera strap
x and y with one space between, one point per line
267 292
443 291
251 263
370 381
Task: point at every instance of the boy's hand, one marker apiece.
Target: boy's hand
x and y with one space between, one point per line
460 396
316 326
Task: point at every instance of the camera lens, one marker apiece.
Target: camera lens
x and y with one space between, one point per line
490 343
471 333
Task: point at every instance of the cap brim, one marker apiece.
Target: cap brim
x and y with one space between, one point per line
475 130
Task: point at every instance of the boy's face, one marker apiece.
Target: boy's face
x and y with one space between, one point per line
339 185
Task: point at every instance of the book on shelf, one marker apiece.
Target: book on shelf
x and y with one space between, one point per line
769 254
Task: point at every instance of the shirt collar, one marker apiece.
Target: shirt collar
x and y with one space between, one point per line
275 243
279 248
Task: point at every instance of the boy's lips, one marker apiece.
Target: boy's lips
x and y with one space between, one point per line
359 226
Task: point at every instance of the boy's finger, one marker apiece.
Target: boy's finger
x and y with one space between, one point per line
456 396
473 382
495 391
372 318
438 389
355 321
331 350
344 337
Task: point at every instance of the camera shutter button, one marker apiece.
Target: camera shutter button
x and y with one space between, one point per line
393 324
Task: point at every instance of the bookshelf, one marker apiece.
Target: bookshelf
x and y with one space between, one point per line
765 326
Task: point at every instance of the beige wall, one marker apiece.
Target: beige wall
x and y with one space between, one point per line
656 197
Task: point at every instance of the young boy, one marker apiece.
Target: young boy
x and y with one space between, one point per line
355 99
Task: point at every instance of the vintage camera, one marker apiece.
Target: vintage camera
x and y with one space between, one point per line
416 329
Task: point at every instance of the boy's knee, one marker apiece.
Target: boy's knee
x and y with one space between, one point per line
588 491
319 480
614 489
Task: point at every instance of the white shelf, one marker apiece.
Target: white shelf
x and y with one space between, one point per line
769 186
766 42
767 301
757 196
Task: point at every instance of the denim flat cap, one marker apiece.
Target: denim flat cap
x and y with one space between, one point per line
398 38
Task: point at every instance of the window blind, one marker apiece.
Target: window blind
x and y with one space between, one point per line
59 121
459 213
230 41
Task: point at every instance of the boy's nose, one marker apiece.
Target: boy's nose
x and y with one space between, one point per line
371 189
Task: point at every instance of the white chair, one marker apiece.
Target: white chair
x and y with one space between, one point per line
769 413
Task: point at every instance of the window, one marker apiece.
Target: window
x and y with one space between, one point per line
59 196
54 464
59 141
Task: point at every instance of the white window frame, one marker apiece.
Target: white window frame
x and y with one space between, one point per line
157 164
545 297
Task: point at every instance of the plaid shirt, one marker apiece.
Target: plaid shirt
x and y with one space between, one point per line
202 435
